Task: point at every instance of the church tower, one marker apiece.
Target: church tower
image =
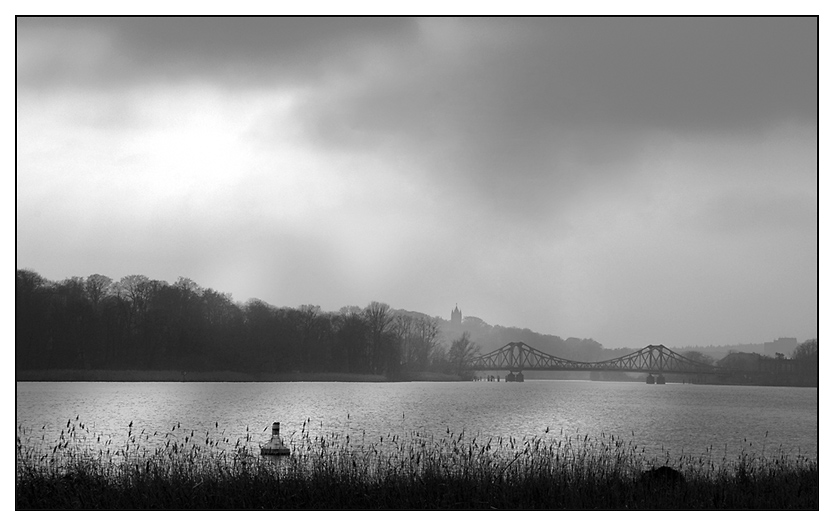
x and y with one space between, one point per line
456 316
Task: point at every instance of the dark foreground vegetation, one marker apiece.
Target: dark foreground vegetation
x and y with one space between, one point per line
330 471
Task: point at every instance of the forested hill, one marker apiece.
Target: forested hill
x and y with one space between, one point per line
140 323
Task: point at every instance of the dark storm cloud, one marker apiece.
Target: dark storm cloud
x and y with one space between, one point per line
519 75
239 52
530 76
554 102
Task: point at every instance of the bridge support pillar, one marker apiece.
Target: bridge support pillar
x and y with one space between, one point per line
515 376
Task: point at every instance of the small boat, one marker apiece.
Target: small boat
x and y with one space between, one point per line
275 446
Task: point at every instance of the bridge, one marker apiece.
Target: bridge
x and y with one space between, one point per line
654 360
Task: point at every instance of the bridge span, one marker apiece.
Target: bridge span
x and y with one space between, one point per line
654 360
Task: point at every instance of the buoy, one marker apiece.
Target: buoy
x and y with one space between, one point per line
275 446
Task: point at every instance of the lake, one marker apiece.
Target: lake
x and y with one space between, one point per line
678 418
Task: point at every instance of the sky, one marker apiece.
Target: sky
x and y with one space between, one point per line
634 181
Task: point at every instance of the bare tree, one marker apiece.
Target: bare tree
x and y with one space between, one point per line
428 334
135 289
379 319
351 339
807 351
404 329
97 287
461 351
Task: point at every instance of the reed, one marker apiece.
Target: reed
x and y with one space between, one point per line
182 469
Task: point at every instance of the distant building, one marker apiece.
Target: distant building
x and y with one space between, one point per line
457 315
785 346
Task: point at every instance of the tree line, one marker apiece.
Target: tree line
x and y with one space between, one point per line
140 323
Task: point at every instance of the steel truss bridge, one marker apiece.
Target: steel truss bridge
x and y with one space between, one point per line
652 359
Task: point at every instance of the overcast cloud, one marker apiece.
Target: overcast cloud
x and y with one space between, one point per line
633 181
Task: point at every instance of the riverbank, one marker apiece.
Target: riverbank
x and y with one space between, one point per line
107 375
453 472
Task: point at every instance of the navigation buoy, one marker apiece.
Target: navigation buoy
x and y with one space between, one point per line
275 446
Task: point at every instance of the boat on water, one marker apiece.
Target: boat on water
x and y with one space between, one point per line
275 446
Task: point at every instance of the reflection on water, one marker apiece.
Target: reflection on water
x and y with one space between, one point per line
680 418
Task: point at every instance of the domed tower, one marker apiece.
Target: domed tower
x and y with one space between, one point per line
456 316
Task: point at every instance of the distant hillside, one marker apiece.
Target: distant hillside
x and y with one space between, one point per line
720 351
492 337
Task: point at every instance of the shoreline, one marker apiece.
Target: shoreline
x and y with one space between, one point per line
136 375
140 375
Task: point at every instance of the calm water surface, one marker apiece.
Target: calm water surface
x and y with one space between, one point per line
681 418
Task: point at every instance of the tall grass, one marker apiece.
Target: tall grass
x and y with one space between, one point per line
181 469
